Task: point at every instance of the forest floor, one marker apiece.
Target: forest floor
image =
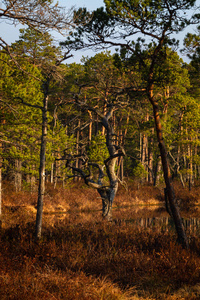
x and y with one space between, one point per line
81 256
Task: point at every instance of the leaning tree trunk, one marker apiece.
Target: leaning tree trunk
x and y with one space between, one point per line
182 238
41 187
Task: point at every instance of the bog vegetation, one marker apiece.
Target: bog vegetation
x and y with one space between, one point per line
87 149
81 256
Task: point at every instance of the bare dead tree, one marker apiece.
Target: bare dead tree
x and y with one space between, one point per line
37 14
107 191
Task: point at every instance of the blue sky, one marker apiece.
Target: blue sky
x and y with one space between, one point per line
90 4
10 33
93 4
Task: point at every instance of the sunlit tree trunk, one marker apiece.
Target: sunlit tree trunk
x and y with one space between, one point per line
97 125
195 154
77 147
41 187
52 173
33 180
120 171
158 168
90 127
55 174
144 152
150 160
182 238
190 165
18 175
179 150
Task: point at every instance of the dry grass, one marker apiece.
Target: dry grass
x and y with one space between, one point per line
81 256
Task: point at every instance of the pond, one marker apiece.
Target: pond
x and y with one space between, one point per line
150 217
192 225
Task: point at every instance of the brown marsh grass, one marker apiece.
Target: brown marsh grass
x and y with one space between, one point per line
81 256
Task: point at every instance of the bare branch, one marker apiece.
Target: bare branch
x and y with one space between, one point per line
119 154
10 107
37 14
28 104
12 143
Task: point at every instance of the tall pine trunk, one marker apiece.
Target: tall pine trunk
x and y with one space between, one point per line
41 187
76 178
150 160
182 238
18 175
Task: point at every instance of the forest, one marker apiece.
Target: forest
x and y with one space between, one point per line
100 160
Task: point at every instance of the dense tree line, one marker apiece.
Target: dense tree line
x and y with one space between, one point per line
96 117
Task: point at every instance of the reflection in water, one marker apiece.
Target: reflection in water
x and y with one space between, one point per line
154 218
166 223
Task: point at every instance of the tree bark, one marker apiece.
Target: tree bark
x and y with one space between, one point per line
108 197
190 165
90 127
120 170
110 163
41 187
18 175
182 238
150 160
76 178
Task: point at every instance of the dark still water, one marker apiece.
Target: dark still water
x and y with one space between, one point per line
153 217
192 225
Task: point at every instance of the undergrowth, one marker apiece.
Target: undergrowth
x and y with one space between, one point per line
81 256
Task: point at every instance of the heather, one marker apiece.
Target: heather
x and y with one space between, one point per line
82 256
